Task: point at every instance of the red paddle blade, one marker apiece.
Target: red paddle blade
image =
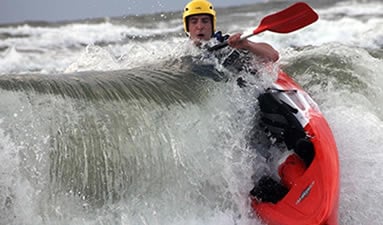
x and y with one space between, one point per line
288 20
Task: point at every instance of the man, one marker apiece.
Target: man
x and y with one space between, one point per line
199 19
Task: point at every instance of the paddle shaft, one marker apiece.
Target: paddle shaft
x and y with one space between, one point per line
288 20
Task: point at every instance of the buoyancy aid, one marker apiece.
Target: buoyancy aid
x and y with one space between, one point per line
233 59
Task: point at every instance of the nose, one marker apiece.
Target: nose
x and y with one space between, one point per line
200 25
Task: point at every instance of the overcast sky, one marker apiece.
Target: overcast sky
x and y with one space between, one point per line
58 10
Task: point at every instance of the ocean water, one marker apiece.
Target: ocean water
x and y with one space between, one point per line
102 122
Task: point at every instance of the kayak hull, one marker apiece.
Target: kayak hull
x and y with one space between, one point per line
313 195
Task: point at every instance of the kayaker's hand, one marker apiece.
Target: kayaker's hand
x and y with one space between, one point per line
260 49
235 41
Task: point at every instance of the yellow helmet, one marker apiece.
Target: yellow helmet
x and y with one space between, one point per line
196 7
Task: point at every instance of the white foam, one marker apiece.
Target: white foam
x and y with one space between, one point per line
93 58
74 35
351 8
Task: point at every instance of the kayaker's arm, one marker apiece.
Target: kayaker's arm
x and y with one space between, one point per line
261 49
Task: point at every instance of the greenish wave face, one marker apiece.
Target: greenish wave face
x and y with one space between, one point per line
139 140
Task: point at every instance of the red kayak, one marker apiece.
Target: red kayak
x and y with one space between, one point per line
308 189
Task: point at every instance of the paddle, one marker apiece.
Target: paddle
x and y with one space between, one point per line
288 20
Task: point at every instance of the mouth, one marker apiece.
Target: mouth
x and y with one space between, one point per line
200 35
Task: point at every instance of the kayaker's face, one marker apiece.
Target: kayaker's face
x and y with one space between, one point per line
200 27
